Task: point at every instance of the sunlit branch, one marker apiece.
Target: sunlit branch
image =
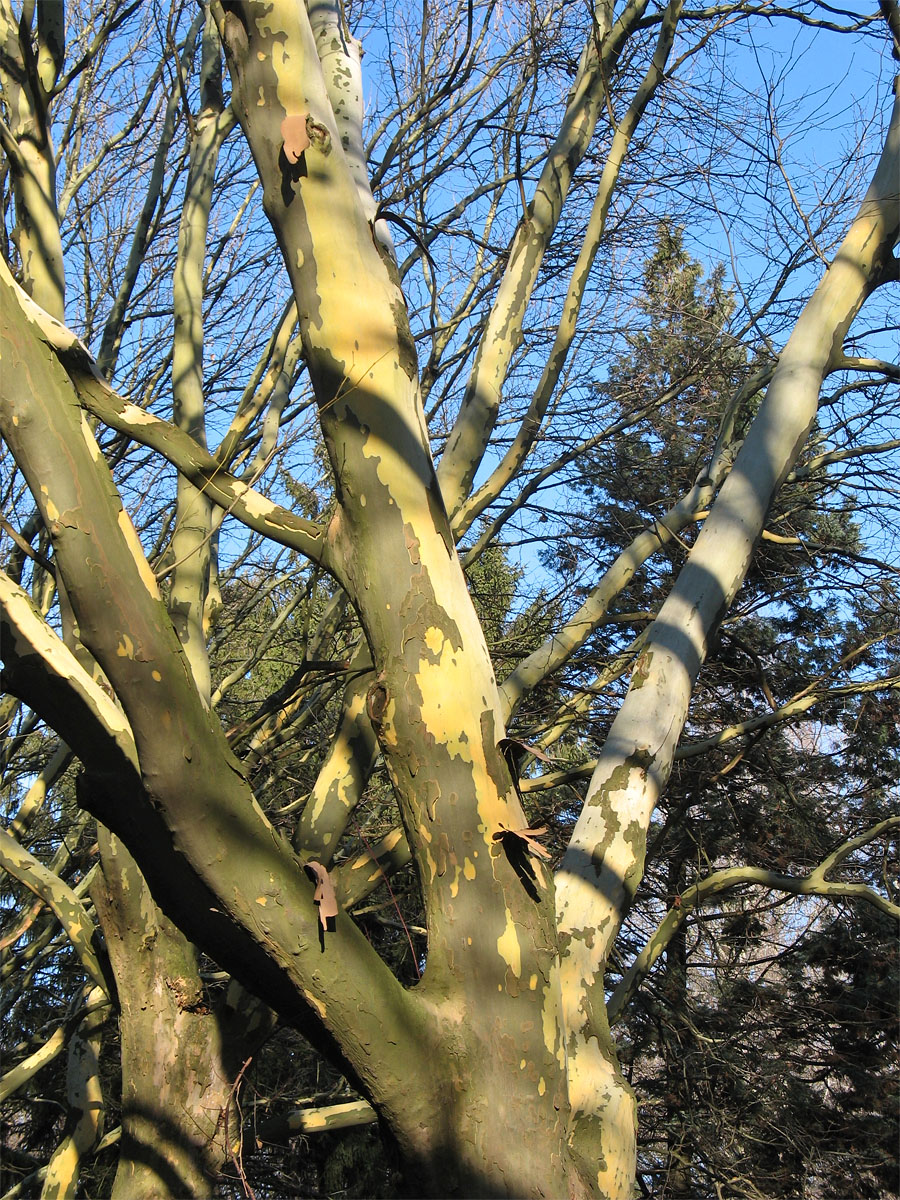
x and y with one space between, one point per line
276 365
530 428
813 884
85 1099
178 447
481 402
351 756
358 877
795 707
562 644
349 1115
58 896
835 456
189 590
18 1075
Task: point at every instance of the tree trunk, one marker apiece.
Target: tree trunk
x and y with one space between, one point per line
182 1050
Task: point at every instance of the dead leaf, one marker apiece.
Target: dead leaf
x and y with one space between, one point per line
519 845
324 894
514 754
516 749
295 136
529 837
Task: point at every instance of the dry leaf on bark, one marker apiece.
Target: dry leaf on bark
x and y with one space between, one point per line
295 136
324 894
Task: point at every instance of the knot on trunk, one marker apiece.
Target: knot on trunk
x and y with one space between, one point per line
188 993
376 702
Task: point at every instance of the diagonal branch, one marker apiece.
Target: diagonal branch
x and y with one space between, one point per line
604 862
729 878
568 322
786 712
58 896
481 403
192 794
178 447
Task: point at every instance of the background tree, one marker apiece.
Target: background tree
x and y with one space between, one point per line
712 1119
255 634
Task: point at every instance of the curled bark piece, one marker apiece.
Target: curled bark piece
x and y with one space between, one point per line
295 135
324 894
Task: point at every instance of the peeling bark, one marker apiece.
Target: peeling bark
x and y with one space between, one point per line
521 1093
434 704
181 1049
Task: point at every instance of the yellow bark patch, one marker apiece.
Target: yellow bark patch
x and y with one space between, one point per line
255 504
315 1002
469 869
508 946
444 681
155 675
542 1087
125 648
532 983
431 865
261 900
90 440
137 553
137 416
434 639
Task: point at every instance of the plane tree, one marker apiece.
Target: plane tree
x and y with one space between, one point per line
283 381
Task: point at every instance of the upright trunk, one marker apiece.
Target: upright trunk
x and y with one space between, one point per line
28 80
488 998
182 1048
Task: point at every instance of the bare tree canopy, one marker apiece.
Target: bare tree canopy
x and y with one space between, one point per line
449 598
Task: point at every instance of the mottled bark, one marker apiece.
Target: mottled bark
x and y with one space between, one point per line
208 853
433 704
181 1047
84 1123
497 1075
193 531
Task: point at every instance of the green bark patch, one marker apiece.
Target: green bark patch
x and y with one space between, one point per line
641 671
406 347
611 821
496 763
421 612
